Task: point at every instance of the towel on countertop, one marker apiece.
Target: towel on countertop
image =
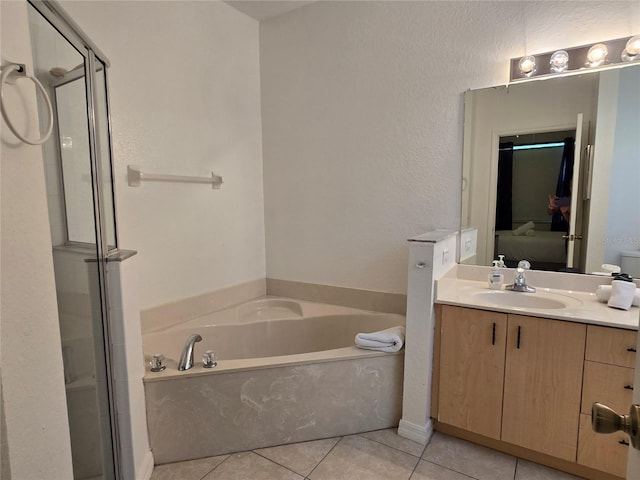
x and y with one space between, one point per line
603 293
523 229
622 294
530 233
389 340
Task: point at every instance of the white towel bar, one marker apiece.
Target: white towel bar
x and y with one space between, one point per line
136 176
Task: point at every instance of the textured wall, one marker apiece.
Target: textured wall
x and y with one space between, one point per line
362 114
623 221
185 99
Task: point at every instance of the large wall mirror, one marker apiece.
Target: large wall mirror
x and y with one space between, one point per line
551 171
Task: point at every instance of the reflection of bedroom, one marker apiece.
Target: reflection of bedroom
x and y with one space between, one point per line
523 225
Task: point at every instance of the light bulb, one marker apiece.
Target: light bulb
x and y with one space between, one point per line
527 66
559 61
633 45
631 50
597 55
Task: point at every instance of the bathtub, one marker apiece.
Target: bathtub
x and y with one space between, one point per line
288 371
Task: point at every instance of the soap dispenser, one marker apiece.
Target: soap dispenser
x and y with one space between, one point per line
496 277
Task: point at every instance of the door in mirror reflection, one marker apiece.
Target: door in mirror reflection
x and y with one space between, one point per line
533 198
539 200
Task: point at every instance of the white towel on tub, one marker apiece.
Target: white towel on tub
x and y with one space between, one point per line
389 340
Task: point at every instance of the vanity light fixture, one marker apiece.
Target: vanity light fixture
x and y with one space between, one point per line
597 55
610 53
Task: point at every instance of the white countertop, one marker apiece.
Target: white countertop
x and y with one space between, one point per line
581 306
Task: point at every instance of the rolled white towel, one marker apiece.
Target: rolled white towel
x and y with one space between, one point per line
603 293
389 340
530 233
622 294
523 229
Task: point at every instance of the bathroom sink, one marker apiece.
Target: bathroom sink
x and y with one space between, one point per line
519 300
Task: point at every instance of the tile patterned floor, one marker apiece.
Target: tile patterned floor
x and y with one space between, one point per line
380 455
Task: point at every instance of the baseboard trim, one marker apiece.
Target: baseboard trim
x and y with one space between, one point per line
417 433
521 452
145 470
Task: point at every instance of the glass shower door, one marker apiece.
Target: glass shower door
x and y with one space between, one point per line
82 220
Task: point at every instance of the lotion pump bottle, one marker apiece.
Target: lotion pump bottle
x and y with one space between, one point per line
495 277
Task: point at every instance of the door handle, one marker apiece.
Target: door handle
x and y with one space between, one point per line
605 420
572 237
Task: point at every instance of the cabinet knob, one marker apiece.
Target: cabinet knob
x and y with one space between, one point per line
421 265
606 420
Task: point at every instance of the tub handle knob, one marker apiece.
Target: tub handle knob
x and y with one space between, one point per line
209 359
157 364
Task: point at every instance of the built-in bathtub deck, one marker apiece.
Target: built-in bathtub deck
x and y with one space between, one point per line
247 403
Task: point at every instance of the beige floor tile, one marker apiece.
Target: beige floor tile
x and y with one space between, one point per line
357 458
473 460
191 470
430 471
391 438
250 466
299 457
532 471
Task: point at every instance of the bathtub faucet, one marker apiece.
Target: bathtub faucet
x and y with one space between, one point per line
186 357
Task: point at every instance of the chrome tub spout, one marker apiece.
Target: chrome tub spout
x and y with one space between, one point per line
186 358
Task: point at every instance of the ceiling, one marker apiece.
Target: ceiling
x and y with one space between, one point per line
266 9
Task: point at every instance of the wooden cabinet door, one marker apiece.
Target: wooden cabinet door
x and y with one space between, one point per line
611 345
472 369
542 387
607 453
608 384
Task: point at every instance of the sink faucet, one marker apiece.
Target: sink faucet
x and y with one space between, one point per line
186 358
520 282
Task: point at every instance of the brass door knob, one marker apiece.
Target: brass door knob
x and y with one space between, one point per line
605 420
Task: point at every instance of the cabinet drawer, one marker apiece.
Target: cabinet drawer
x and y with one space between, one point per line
606 384
602 452
614 346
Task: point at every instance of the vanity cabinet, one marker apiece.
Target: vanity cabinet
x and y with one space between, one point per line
525 385
472 349
608 379
542 385
512 378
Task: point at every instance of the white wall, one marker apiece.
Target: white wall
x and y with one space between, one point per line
185 99
623 220
362 121
32 378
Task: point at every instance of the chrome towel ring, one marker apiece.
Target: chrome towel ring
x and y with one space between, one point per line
20 70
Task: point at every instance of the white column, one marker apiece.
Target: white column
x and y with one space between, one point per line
128 366
430 256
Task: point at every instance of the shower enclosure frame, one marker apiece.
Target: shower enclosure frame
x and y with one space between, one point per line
69 29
